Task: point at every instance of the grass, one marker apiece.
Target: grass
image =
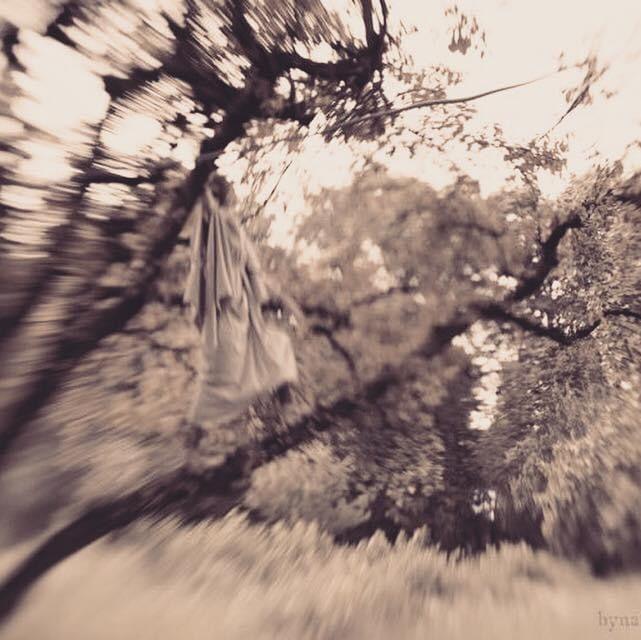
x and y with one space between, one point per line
234 581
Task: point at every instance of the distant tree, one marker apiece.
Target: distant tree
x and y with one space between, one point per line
562 454
406 270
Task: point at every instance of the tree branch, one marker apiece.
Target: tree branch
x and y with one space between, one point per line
471 225
339 318
422 104
381 295
106 177
497 312
336 345
9 41
625 313
65 17
250 216
548 261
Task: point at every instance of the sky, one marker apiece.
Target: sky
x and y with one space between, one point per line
524 41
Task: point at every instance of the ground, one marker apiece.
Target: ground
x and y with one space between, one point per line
230 580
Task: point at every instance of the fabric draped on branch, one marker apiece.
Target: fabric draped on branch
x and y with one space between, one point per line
244 353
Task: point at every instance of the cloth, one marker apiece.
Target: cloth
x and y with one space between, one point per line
244 354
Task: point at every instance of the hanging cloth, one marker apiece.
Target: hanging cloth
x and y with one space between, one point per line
244 354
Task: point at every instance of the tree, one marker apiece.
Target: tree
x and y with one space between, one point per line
381 434
223 74
562 457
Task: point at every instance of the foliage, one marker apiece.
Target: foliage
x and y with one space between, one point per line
162 580
562 449
423 310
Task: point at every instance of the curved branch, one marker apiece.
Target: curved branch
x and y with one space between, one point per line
381 295
422 104
623 313
336 345
500 314
549 259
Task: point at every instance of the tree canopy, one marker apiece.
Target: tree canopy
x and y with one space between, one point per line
469 361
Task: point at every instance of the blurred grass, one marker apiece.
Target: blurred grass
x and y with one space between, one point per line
231 580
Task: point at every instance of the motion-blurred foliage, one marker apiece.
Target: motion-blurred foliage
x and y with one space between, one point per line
165 580
469 365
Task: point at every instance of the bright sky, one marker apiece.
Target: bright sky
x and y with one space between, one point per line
524 41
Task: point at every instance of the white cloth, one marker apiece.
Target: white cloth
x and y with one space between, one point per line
244 354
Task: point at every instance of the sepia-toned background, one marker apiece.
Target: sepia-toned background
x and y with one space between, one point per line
450 194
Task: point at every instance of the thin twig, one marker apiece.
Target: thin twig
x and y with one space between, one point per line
264 203
421 104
